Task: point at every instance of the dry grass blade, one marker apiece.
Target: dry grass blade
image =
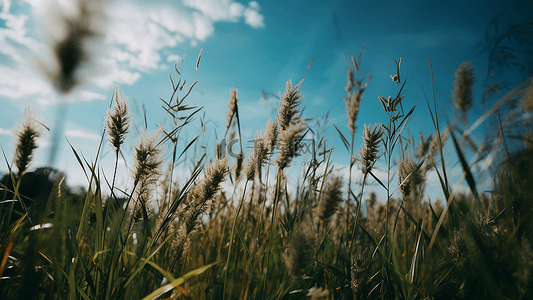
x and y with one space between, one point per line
199 56
9 245
344 140
189 91
176 68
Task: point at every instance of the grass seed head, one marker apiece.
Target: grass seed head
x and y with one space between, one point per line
287 107
72 49
358 270
215 174
27 141
118 120
350 81
256 158
463 84
407 168
204 191
301 251
353 102
232 108
371 139
250 167
332 196
270 136
147 159
147 163
289 140
458 247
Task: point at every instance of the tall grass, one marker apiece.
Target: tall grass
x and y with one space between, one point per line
160 239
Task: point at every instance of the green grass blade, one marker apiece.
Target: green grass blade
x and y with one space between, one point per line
469 177
177 282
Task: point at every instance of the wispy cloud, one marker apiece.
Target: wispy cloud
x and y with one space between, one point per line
138 34
82 134
6 131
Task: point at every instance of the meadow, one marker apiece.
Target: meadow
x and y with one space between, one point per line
165 237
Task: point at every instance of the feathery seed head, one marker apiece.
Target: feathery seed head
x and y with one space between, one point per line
289 140
232 107
71 47
301 251
147 162
483 223
250 167
351 81
353 102
408 168
371 139
331 199
215 174
27 141
118 120
287 107
256 159
355 89
147 159
463 84
192 217
270 136
358 272
458 247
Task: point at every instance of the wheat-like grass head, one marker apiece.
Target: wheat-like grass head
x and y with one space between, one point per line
287 107
463 85
118 120
371 139
27 141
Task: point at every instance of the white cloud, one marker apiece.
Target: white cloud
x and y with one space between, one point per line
13 36
254 5
173 58
6 131
111 73
82 134
136 36
218 10
253 18
16 83
87 96
203 27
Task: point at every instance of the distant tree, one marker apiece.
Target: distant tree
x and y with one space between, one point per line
35 188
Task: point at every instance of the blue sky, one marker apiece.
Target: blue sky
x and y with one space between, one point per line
250 46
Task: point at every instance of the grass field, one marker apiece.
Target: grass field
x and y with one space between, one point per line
332 238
